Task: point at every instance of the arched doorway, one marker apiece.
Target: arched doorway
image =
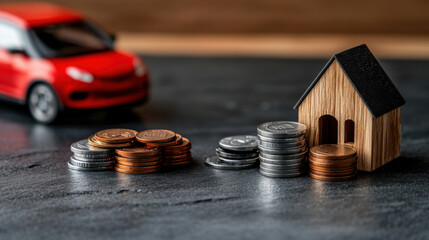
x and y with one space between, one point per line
349 131
328 130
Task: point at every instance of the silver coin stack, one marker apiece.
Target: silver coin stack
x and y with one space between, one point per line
88 158
235 153
282 149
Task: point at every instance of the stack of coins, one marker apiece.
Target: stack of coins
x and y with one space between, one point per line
235 153
113 138
282 149
87 158
176 150
139 160
332 162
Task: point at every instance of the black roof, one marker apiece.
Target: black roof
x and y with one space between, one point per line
368 78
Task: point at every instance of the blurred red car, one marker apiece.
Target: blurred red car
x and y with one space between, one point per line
51 58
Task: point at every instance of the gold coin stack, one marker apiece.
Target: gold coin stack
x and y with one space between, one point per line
176 150
138 160
113 138
333 162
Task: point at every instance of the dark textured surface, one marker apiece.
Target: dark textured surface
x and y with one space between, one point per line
205 100
368 78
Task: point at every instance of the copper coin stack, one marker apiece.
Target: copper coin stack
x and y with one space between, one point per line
113 138
176 150
333 162
138 160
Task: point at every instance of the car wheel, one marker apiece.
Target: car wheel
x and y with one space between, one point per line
43 103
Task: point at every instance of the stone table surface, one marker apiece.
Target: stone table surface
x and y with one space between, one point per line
206 99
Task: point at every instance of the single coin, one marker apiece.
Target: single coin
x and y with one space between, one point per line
156 136
239 161
178 159
281 129
333 151
214 162
92 169
85 164
139 164
115 135
239 143
336 162
279 175
282 140
176 141
141 159
281 167
332 160
282 151
283 162
282 170
176 164
284 156
274 145
95 143
185 145
138 168
333 168
175 152
91 158
127 171
84 144
82 147
172 157
334 173
333 179
236 155
138 152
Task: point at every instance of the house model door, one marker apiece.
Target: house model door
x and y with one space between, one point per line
328 130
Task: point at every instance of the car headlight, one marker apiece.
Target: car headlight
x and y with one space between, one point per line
79 75
139 68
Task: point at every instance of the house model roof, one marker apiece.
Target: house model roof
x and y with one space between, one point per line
368 78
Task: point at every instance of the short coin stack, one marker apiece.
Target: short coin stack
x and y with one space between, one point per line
139 160
176 150
113 138
235 153
332 162
282 149
87 158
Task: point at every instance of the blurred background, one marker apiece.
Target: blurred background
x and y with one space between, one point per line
312 28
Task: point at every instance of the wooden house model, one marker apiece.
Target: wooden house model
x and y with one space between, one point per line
353 101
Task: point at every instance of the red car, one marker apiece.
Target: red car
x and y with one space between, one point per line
51 58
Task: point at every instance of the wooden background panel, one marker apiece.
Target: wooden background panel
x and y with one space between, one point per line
257 16
273 28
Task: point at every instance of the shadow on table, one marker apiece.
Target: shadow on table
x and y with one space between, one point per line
10 112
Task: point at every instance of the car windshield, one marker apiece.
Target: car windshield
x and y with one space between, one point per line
69 39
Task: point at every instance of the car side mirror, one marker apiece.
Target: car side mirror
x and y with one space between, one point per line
18 51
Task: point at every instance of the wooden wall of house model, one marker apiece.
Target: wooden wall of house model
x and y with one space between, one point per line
353 101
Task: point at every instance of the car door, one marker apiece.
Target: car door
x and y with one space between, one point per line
13 59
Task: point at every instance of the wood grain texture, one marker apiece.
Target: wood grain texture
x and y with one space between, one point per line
287 45
376 140
386 138
256 16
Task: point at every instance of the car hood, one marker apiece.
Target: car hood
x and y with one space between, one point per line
100 65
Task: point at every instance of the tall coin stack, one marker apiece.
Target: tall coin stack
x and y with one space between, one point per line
282 149
139 160
332 162
235 153
87 158
176 150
